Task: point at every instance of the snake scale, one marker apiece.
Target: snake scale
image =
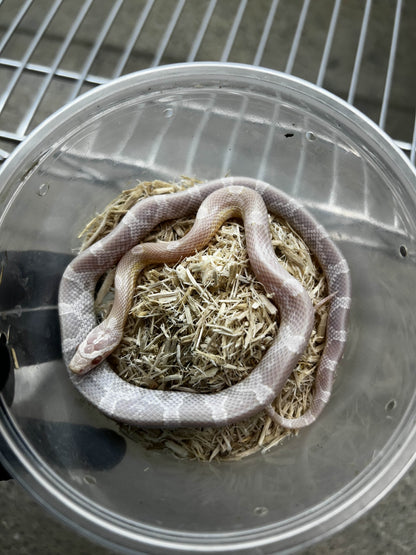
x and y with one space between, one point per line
86 345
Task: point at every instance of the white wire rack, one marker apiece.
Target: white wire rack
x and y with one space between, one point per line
53 50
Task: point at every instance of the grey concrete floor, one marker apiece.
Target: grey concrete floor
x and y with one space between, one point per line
389 527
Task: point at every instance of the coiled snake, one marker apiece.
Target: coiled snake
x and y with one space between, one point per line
86 345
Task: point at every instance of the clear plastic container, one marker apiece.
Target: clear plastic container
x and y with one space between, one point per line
206 120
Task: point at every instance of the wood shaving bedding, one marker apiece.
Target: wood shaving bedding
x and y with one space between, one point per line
205 323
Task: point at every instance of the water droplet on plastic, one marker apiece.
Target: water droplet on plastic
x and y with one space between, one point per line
43 189
168 112
391 405
18 311
403 251
261 511
310 136
90 480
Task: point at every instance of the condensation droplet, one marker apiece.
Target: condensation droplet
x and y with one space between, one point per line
403 251
90 480
310 136
261 511
391 405
168 112
43 189
18 310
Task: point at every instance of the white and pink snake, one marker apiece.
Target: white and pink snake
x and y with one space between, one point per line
86 345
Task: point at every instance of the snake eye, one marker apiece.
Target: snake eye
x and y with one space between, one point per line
96 361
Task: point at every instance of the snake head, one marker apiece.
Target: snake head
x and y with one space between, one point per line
81 364
99 343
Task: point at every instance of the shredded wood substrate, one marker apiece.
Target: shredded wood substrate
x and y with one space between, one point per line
205 323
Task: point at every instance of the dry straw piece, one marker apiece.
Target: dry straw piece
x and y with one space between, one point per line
205 323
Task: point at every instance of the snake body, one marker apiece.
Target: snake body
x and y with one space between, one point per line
86 345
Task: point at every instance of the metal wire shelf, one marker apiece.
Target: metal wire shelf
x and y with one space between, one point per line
53 50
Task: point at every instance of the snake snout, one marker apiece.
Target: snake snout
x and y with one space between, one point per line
99 343
81 365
